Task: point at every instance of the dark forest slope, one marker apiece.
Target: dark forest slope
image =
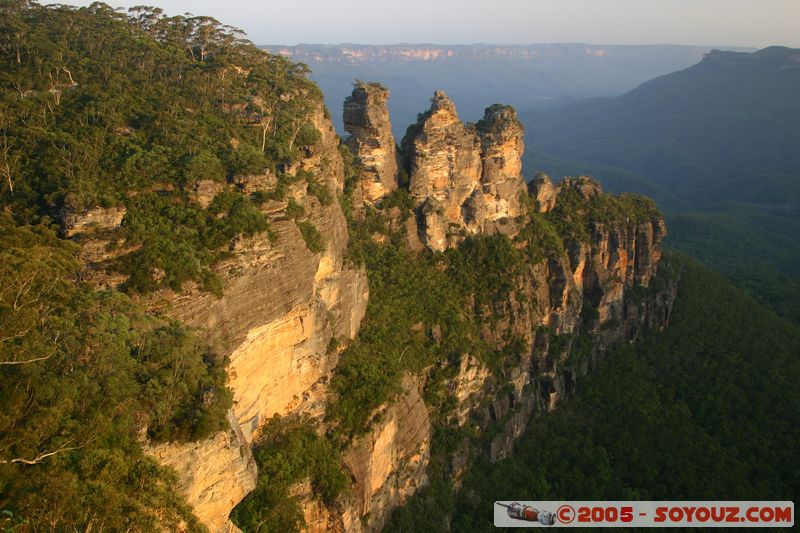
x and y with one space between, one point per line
707 409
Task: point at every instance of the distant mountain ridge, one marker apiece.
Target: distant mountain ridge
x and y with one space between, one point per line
355 53
770 58
706 132
525 76
716 144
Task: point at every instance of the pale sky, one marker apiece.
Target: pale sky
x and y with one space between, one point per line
755 23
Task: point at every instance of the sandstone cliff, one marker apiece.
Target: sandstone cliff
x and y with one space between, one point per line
286 313
388 464
466 179
565 309
558 321
281 307
216 473
366 119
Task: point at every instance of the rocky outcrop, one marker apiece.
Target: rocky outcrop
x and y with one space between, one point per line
502 147
366 119
97 218
204 191
597 290
468 386
466 179
248 184
543 193
389 463
216 473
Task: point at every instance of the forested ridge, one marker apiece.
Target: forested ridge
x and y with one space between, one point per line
715 146
99 107
104 108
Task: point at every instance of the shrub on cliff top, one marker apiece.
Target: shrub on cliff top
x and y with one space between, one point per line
311 236
182 241
573 214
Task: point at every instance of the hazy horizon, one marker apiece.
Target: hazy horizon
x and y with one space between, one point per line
726 23
521 45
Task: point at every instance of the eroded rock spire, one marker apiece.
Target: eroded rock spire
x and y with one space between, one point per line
366 119
466 178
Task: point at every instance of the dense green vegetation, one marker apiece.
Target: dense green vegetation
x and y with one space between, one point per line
573 215
706 409
289 451
82 373
92 93
311 236
759 250
95 104
408 297
427 309
182 240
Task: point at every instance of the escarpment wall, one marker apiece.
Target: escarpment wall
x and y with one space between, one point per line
281 307
598 288
286 313
466 180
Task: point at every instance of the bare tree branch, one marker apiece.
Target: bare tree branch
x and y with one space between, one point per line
39 458
26 361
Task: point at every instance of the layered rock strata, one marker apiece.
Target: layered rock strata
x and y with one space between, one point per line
216 473
281 307
465 179
596 290
366 119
